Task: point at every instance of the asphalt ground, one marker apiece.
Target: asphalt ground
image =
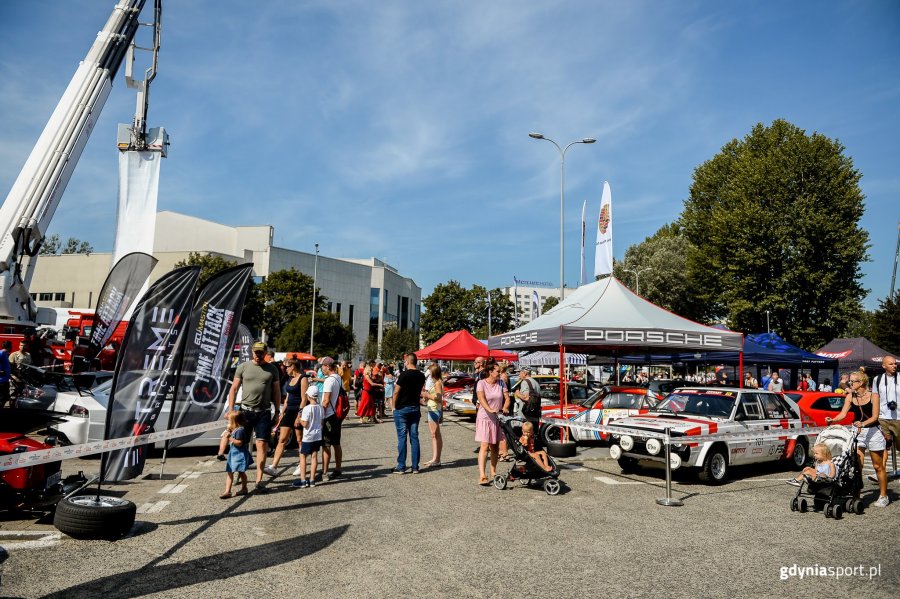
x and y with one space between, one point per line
437 534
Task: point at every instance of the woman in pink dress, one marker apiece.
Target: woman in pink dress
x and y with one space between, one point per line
492 395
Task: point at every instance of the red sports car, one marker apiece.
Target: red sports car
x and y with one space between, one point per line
609 403
818 406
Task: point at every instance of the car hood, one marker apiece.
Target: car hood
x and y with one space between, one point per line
681 425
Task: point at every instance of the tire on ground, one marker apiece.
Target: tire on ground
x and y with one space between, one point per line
82 517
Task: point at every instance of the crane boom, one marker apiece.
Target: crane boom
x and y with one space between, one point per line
34 197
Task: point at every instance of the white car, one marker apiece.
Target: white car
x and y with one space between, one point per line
86 419
713 411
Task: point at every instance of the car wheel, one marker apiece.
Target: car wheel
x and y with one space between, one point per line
90 517
715 469
798 458
551 433
628 464
499 482
551 486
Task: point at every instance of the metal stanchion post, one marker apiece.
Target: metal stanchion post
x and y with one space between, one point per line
667 500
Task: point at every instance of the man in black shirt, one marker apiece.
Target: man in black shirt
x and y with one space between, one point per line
405 407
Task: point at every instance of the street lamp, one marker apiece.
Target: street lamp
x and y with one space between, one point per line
312 327
637 277
562 196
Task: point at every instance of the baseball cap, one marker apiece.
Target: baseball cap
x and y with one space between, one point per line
313 391
326 361
259 346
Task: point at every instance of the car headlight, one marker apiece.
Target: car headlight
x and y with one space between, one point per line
653 446
615 452
78 411
626 442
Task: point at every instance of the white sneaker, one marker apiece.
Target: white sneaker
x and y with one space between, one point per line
297 471
883 501
270 471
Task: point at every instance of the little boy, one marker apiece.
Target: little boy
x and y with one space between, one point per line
527 442
311 419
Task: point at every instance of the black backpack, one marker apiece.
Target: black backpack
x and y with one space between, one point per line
532 407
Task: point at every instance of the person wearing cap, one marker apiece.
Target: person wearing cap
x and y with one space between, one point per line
310 419
259 382
331 427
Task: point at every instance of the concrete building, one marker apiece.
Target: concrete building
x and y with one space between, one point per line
367 294
523 296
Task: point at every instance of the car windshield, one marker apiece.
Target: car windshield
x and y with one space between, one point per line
715 404
620 400
576 393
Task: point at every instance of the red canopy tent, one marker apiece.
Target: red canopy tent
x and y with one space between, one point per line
461 345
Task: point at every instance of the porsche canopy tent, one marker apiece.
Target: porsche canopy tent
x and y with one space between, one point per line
461 345
853 353
605 317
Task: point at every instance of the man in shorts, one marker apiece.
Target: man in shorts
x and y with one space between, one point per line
887 387
331 428
261 389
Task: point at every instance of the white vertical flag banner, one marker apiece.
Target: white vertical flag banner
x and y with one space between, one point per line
136 215
583 235
536 304
603 260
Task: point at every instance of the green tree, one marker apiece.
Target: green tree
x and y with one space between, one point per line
886 324
661 260
502 312
395 343
549 303
332 338
286 295
370 351
446 309
773 223
53 246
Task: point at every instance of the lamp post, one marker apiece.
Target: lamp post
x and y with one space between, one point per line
637 277
312 326
562 196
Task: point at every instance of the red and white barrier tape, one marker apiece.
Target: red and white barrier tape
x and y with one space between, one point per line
65 452
772 433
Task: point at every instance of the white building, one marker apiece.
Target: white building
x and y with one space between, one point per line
367 294
523 295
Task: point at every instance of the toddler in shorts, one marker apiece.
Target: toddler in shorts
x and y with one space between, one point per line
527 441
824 466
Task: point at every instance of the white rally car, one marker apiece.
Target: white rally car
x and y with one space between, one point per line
692 412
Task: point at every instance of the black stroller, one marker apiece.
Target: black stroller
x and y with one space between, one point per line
834 496
524 468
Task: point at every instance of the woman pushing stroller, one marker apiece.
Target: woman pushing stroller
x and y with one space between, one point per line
866 406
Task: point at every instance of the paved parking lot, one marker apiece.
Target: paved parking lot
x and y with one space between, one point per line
438 533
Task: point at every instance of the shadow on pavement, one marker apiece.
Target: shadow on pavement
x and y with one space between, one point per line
278 509
154 578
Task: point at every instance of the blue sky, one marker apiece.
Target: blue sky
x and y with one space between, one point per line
400 129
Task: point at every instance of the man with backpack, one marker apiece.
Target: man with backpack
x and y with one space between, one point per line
331 428
529 392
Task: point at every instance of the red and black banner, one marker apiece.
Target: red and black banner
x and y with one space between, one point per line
202 388
119 291
145 371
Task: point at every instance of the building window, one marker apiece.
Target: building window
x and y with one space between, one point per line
374 296
59 297
338 311
404 313
350 316
33 296
329 306
45 297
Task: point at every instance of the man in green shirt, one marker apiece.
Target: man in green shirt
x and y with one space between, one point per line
261 390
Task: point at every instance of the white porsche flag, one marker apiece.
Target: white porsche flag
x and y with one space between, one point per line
583 271
603 260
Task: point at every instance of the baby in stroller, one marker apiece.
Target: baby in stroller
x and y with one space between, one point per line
837 494
528 466
824 470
